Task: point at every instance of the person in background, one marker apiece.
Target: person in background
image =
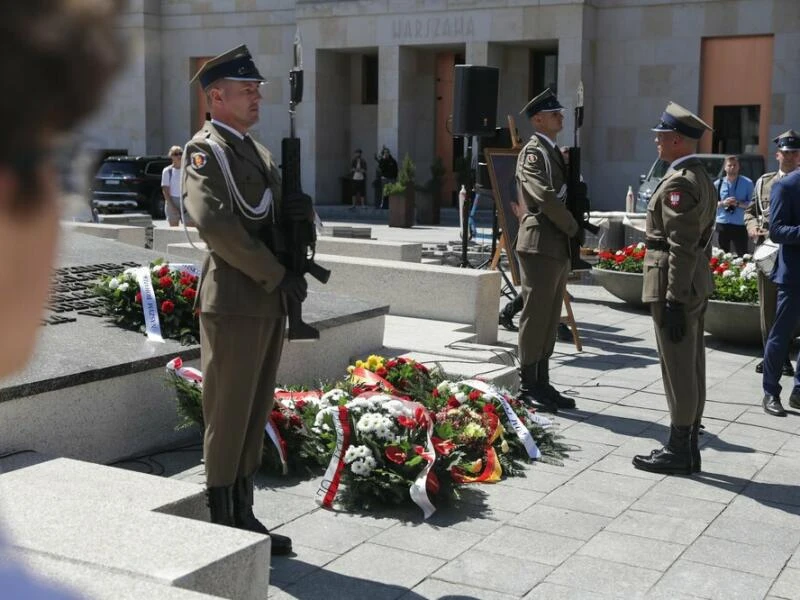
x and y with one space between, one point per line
733 197
171 187
59 57
358 179
387 166
756 219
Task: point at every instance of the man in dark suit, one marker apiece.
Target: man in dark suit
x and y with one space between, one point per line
232 190
784 229
543 250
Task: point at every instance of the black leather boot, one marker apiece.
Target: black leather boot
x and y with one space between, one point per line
695 447
673 459
531 391
220 504
245 519
507 314
544 379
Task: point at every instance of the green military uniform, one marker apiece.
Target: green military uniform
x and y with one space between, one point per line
677 283
544 257
756 216
232 191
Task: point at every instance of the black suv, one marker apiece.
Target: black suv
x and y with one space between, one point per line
130 183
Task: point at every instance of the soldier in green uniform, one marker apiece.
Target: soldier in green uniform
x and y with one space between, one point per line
232 191
677 284
756 219
543 250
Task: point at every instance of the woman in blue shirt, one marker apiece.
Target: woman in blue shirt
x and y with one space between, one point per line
734 193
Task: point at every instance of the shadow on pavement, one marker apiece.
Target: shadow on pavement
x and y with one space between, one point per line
781 496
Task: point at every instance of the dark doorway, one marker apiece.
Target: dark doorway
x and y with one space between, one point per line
736 129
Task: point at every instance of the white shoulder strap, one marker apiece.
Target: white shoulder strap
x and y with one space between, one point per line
254 213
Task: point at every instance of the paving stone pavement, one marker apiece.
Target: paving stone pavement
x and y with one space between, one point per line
594 528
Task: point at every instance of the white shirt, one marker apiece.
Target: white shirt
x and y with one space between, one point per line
552 143
678 161
228 127
171 178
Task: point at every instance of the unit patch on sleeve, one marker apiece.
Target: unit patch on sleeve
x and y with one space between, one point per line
675 199
199 160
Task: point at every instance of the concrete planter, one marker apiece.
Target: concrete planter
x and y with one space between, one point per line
625 286
735 322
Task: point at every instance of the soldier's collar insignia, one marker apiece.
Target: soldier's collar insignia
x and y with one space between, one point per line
675 199
199 159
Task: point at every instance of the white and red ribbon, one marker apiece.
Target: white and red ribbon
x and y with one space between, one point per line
333 474
519 428
275 435
190 374
152 325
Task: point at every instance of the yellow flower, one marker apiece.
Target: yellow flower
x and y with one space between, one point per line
350 369
474 431
374 362
504 447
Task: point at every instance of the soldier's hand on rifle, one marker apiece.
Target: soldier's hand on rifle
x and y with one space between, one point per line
294 286
298 207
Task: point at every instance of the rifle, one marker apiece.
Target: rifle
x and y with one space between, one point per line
300 236
577 199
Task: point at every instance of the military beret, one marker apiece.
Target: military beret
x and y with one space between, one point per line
236 64
788 140
544 102
681 120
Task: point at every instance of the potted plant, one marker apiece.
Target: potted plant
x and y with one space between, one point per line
620 272
733 314
401 195
429 199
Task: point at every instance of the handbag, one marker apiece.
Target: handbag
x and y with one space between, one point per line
765 255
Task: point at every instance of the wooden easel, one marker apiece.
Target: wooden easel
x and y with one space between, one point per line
569 321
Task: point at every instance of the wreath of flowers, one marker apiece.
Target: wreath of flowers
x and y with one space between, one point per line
394 431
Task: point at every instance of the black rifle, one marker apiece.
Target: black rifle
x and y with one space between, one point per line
300 236
577 198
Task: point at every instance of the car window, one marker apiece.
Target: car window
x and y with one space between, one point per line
156 167
658 169
713 165
118 168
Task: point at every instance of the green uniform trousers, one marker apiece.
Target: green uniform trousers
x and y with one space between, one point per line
239 357
683 365
768 304
544 280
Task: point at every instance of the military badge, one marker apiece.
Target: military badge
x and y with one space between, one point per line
675 199
532 158
199 160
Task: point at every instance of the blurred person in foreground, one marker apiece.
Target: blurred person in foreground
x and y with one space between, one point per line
59 56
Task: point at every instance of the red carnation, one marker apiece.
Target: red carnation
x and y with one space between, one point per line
391 364
401 361
394 454
619 258
165 282
299 404
189 293
452 402
714 261
435 392
488 408
381 372
406 422
163 271
138 298
474 395
167 307
295 421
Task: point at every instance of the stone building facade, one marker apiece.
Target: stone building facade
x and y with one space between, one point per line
379 72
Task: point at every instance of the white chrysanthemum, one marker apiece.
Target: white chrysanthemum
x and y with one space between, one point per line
444 387
123 287
333 396
357 452
396 409
114 283
640 245
363 467
748 257
619 253
461 397
717 252
738 261
156 268
728 273
728 256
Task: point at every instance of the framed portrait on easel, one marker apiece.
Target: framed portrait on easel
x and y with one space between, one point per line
502 166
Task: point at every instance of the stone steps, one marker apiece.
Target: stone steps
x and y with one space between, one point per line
113 522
